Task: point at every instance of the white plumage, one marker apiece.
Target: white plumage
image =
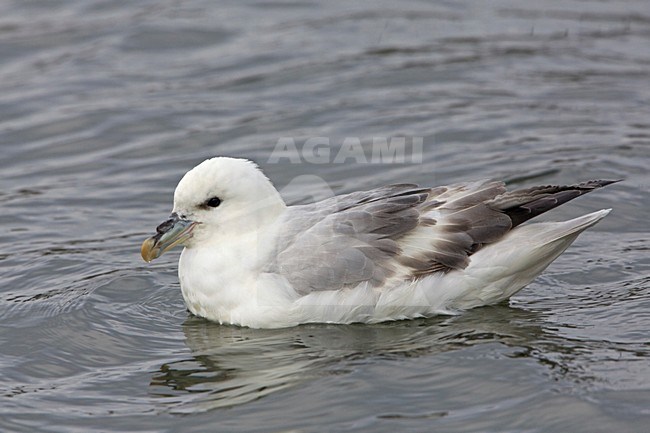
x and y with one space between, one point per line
395 252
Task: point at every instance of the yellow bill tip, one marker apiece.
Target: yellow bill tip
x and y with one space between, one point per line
149 250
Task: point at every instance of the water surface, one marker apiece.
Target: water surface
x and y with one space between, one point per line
105 104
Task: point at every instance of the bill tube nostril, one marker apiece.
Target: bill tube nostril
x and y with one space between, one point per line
174 231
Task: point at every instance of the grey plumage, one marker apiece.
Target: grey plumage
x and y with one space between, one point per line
404 231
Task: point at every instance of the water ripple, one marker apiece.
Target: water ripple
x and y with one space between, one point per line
104 105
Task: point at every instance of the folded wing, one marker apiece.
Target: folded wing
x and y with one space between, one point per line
402 232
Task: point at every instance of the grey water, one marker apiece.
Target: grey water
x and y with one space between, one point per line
105 104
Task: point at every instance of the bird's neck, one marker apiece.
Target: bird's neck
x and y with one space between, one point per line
219 277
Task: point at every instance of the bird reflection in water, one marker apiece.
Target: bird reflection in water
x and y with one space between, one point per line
231 366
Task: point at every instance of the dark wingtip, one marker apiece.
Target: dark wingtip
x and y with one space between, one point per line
599 183
551 197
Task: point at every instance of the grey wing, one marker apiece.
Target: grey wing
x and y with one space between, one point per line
403 232
399 231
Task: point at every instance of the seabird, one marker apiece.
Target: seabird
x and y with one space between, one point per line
390 253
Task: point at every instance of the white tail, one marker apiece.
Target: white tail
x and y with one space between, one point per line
510 264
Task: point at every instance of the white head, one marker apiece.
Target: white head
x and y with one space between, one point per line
219 195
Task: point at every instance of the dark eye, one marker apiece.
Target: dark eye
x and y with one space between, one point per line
213 202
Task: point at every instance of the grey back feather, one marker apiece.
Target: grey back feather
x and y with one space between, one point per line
356 238
402 231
